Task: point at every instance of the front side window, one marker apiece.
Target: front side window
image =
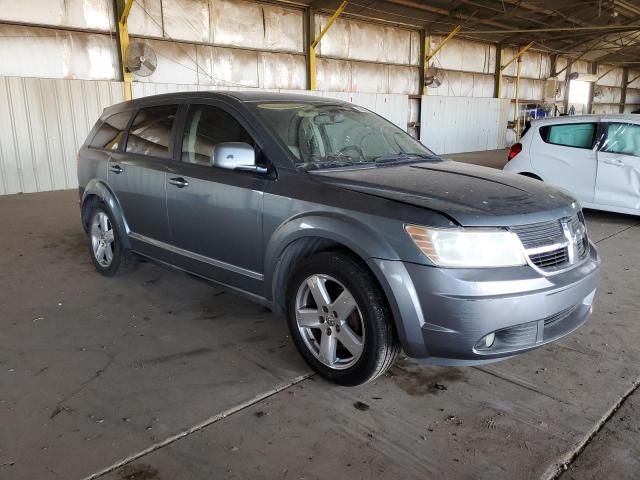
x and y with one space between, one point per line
111 133
577 135
321 134
150 132
207 126
622 138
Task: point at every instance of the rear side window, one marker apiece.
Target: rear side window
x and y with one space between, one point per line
150 132
622 138
111 133
576 135
207 126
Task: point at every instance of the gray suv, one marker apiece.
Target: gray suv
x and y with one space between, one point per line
323 211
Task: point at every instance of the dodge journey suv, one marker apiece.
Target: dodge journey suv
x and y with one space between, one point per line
325 212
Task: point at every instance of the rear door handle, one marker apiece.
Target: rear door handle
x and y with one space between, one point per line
116 169
614 161
179 182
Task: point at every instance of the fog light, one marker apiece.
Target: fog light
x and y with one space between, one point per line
489 339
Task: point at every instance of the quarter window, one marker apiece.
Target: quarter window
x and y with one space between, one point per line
150 133
576 135
622 138
111 133
207 126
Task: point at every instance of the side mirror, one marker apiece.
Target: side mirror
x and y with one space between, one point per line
236 156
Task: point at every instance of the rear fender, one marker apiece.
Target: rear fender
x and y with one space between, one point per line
101 190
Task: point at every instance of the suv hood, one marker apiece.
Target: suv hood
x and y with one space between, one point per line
471 195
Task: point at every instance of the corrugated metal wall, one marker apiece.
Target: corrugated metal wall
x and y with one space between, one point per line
463 124
42 123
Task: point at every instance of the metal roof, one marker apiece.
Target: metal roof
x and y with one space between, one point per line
603 31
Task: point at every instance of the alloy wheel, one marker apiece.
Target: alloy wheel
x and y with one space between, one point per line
329 321
102 239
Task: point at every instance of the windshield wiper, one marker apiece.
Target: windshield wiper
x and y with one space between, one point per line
328 164
332 161
403 157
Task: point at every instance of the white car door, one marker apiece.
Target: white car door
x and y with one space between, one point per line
618 181
564 155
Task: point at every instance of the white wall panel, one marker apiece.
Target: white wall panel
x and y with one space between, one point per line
85 14
44 52
633 95
604 109
145 18
254 25
534 64
561 63
611 77
41 127
462 84
353 76
186 20
634 74
462 124
237 23
463 55
607 94
529 89
355 40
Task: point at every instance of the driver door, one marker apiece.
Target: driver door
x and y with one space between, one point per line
215 214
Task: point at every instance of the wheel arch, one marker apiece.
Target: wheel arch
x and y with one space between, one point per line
306 235
96 192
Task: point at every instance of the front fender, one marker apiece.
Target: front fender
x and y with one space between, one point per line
101 190
354 235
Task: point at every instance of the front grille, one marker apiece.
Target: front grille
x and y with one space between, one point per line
539 234
550 260
551 248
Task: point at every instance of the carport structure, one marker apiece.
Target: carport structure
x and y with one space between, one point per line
159 376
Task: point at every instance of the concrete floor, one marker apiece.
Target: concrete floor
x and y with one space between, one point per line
156 375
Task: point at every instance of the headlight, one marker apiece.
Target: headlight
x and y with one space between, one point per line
468 248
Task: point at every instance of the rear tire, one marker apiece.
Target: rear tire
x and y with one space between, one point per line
340 320
105 244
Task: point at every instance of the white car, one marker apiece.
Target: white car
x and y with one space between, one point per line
595 157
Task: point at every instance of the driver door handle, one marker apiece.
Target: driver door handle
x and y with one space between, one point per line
179 182
116 169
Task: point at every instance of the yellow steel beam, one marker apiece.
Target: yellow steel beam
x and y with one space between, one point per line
452 33
505 65
123 32
313 82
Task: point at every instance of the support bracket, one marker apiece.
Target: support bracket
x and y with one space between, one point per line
313 82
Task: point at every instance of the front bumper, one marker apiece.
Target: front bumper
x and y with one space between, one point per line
443 314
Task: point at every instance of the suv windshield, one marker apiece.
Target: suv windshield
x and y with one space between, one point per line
328 135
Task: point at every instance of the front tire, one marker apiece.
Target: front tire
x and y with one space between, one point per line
340 320
105 245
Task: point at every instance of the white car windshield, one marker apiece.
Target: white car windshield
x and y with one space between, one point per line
323 135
